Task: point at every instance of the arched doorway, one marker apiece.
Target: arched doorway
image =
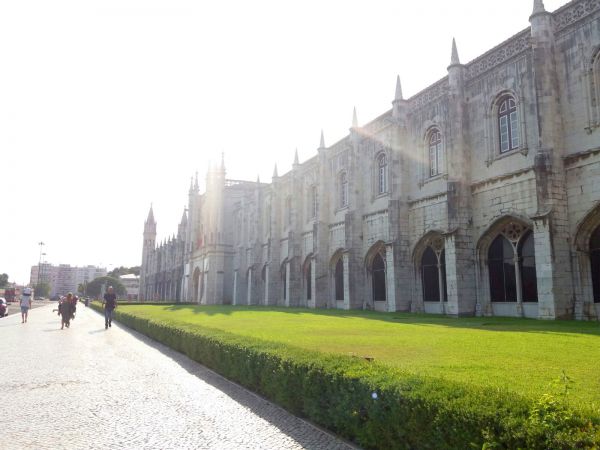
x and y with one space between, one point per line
595 263
511 266
433 275
339 279
378 286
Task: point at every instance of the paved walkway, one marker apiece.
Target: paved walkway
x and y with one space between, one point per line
87 387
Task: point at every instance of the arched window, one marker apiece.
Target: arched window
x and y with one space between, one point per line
263 273
433 275
508 124
595 263
527 265
382 174
378 279
339 279
308 279
501 265
436 155
503 270
343 182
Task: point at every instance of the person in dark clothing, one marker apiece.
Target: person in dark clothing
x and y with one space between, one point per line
65 311
110 304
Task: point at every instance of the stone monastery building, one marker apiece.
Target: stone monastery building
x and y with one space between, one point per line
480 195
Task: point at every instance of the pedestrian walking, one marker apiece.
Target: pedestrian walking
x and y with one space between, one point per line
65 311
110 304
25 304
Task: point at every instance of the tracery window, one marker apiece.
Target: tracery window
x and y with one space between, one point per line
508 124
314 202
382 174
378 279
511 263
595 263
433 272
343 189
436 155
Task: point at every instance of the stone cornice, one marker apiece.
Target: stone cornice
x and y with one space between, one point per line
493 180
575 157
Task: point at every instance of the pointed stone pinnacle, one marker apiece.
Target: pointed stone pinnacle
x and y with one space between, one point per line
354 119
296 160
454 60
398 95
257 179
275 171
322 143
538 7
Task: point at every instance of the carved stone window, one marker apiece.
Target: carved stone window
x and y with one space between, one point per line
508 124
595 263
382 174
433 272
436 153
343 189
511 265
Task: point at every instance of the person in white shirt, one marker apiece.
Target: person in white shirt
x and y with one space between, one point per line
25 304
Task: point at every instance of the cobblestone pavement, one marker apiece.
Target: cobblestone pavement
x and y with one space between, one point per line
87 387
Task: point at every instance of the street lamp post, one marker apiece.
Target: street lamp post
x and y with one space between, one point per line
41 244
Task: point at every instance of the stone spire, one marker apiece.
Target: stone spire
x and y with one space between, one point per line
354 119
538 7
184 216
150 219
275 171
398 95
257 179
222 161
454 60
296 160
196 187
322 143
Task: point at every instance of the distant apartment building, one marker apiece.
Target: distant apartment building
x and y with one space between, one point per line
64 278
132 285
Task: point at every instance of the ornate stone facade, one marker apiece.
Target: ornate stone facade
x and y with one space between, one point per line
479 195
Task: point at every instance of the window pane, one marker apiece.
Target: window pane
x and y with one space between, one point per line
503 133
514 130
440 162
432 161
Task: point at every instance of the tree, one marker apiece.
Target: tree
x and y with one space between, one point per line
118 271
3 280
94 287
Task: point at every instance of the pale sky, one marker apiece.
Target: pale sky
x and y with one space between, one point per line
107 106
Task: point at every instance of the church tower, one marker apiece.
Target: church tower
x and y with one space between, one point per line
147 249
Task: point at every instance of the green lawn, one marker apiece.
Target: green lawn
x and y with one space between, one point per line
521 355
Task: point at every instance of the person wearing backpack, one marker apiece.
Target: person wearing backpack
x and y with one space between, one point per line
110 304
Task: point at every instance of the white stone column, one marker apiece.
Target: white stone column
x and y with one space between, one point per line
266 299
287 283
249 290
346 261
390 279
235 277
313 282
519 282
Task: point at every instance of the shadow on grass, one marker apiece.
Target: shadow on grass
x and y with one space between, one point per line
497 324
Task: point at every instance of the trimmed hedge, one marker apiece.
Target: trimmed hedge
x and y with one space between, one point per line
374 405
